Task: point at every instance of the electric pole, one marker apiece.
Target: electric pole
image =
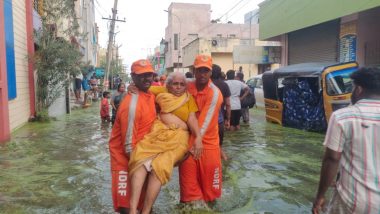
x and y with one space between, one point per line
110 41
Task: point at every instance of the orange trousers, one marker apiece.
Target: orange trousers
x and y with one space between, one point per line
121 188
201 179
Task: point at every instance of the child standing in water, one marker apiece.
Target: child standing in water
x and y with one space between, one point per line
105 108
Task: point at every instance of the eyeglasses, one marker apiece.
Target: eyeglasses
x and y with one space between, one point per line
178 84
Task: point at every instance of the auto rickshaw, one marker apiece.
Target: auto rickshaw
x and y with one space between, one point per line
304 95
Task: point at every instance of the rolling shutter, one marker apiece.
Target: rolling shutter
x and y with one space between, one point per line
318 43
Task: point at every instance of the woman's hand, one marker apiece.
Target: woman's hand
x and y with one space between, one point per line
227 124
113 105
197 149
132 89
182 160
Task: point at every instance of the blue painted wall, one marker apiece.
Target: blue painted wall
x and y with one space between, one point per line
10 51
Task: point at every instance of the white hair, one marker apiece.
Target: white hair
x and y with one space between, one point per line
170 77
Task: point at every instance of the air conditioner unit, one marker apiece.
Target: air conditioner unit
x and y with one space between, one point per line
214 42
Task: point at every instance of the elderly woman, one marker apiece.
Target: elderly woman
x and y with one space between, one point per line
167 143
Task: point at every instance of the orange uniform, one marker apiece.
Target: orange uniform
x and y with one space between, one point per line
134 119
202 179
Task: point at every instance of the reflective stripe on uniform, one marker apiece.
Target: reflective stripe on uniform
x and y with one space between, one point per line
131 122
211 109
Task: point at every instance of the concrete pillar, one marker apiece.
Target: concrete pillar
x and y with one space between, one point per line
30 47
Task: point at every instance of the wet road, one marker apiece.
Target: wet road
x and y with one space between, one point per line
63 167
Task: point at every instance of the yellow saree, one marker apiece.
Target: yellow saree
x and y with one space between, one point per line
165 144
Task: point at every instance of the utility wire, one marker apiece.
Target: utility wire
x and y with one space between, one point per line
104 10
230 9
211 24
100 13
234 13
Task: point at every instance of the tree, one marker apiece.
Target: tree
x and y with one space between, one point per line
56 58
116 68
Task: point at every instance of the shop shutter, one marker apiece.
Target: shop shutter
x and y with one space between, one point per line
318 43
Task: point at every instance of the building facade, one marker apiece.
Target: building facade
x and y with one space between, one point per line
158 58
230 45
16 72
85 13
18 19
183 26
316 31
220 49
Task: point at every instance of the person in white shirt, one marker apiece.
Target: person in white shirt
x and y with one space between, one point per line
235 87
244 109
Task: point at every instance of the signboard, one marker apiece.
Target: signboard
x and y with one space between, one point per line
246 54
347 42
347 48
267 43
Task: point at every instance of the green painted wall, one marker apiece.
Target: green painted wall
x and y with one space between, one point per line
282 16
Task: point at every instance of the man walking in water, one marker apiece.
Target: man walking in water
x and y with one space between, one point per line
201 179
225 110
353 147
135 117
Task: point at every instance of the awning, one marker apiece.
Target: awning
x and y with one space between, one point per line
283 16
250 54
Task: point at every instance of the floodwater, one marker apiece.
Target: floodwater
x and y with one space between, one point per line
63 167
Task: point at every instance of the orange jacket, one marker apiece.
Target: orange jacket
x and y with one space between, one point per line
209 101
134 119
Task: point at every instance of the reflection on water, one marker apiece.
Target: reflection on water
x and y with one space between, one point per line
63 167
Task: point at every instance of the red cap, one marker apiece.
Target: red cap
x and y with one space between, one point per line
203 61
142 66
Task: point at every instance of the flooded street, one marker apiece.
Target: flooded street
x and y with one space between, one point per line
63 167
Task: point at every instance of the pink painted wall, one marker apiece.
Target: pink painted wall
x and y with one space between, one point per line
4 116
185 18
195 22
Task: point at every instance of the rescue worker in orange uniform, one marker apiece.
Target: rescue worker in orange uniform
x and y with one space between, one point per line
134 119
201 180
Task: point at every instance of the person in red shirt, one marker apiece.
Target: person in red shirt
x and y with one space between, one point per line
134 119
156 80
105 107
162 80
201 179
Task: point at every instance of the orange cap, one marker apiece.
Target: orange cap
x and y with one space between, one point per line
142 66
203 61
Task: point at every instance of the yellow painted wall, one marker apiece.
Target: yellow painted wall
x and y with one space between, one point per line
224 60
19 110
222 56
